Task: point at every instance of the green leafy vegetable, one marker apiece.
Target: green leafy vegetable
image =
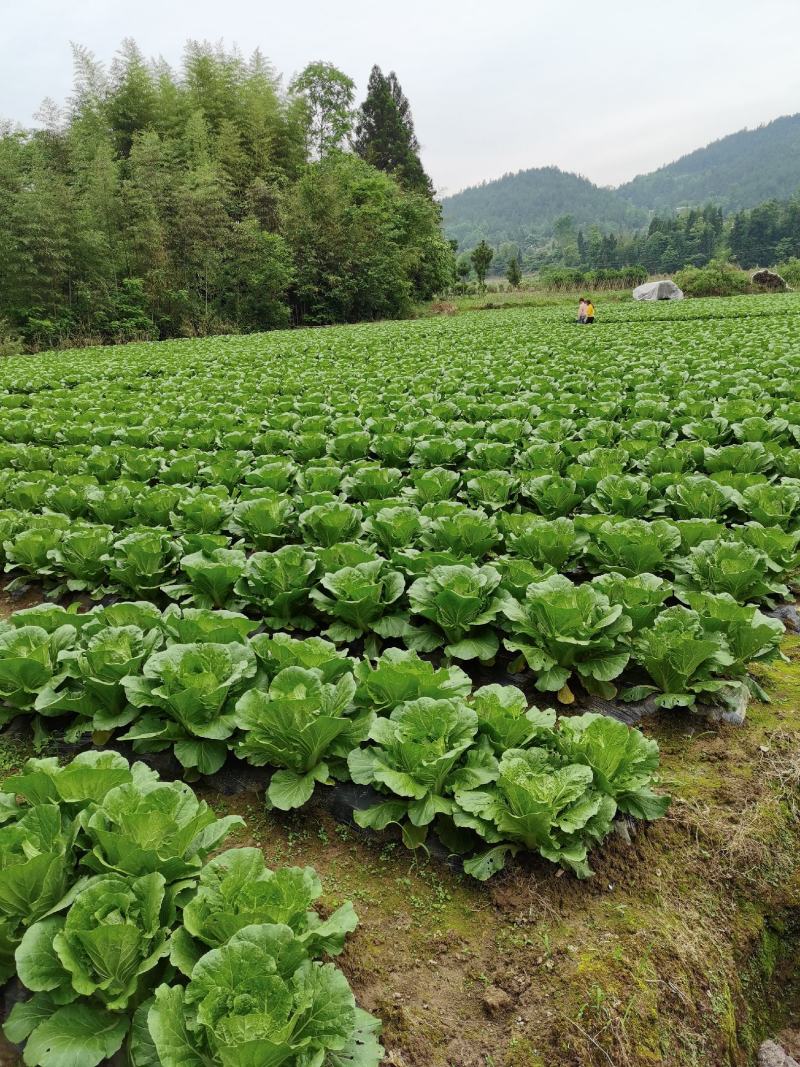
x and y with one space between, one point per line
260 1000
236 889
460 601
187 693
303 725
562 629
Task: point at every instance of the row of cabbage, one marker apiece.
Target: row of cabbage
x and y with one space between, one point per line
264 512
274 458
750 561
625 619
481 768
125 935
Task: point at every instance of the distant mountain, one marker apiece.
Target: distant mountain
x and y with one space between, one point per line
519 206
738 171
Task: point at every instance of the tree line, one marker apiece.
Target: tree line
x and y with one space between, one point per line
761 236
159 203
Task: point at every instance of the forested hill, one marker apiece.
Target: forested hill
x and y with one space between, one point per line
738 171
518 205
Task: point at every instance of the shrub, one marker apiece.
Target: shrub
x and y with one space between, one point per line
789 271
715 279
10 343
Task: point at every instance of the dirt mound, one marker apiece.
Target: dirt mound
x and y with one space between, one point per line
770 281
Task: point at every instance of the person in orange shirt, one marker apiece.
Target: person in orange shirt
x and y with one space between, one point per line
589 312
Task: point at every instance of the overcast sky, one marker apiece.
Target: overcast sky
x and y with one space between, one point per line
609 90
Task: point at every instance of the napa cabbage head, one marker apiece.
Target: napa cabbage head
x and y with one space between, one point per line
562 629
115 931
419 756
37 867
237 889
150 826
95 671
623 761
540 804
302 725
506 720
276 651
400 675
459 603
361 599
187 693
259 1000
72 786
684 659
729 567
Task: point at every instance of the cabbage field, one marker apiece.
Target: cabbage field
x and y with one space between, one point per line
433 568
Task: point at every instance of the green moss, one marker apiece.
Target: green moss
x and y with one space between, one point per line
520 1052
724 1011
13 753
766 959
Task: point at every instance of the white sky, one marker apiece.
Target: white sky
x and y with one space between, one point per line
608 90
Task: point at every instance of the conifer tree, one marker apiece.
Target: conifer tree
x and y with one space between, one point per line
385 136
514 272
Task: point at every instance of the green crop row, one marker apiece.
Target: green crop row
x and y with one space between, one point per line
196 683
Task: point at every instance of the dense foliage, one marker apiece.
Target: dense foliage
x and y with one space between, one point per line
765 234
209 200
575 256
524 206
713 279
735 172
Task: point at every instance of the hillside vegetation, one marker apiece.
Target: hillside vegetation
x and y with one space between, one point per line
516 205
734 173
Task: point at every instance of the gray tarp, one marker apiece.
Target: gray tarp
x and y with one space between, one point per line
664 290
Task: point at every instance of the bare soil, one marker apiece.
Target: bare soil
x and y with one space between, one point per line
10 603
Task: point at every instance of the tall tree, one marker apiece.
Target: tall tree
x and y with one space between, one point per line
514 272
166 203
363 247
385 135
132 96
328 96
482 257
463 266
